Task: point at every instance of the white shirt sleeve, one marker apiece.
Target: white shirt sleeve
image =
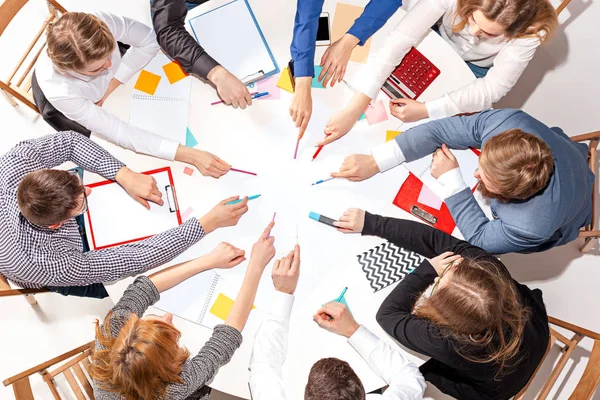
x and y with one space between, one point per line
270 348
113 129
403 377
388 155
480 94
452 182
415 25
140 37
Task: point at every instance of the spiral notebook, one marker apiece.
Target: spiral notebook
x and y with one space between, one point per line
158 105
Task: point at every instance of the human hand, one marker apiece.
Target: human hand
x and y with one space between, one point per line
230 89
338 125
335 59
443 161
142 188
301 106
357 167
444 260
225 256
286 272
336 318
208 164
408 110
112 85
224 214
353 221
263 250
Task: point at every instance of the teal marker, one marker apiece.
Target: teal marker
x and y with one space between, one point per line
256 196
342 295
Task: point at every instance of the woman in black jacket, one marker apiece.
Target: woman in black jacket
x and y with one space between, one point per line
485 332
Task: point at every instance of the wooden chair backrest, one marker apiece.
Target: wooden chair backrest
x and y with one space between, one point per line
72 364
593 139
589 381
22 88
7 290
562 6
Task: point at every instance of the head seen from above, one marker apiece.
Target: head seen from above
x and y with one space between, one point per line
50 197
142 360
333 379
514 165
80 42
476 303
511 18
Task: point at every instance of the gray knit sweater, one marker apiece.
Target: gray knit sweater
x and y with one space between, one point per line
197 371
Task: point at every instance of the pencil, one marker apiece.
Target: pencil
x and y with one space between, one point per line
242 171
274 214
296 151
223 101
256 196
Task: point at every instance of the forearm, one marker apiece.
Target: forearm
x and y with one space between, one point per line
112 86
174 275
357 105
375 15
244 301
305 35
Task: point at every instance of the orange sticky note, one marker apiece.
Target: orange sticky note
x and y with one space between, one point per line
222 307
343 19
284 81
174 72
390 135
188 171
147 82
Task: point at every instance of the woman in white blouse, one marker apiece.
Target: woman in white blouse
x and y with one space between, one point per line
497 38
84 65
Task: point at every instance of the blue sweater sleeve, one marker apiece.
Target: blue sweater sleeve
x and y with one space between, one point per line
305 36
375 15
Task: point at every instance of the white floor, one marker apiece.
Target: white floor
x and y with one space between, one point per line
559 87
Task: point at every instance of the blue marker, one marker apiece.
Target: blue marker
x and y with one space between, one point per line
256 196
322 180
322 219
261 94
342 295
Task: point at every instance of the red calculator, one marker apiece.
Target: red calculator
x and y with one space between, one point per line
414 74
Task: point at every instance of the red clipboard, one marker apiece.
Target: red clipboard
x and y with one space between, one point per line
170 202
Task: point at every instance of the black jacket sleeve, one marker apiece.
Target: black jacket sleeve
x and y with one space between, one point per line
168 17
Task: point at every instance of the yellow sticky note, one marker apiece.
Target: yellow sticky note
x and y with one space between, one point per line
343 19
174 72
285 81
390 135
147 82
222 307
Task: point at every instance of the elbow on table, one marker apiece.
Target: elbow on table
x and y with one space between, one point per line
384 316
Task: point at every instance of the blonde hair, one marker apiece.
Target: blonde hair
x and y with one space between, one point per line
76 39
520 18
141 361
519 165
478 307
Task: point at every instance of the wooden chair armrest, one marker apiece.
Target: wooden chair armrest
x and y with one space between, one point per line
586 136
573 328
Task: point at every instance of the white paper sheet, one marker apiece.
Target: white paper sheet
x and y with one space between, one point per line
230 35
115 217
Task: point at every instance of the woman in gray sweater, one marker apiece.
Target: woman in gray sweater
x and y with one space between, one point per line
138 357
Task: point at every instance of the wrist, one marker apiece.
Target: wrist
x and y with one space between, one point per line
350 41
303 83
289 291
123 175
207 223
351 330
254 270
186 154
216 74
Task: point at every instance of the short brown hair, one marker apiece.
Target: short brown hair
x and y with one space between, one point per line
333 379
518 163
141 361
76 39
49 196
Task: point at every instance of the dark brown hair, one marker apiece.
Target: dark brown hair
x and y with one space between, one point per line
333 379
141 361
76 39
518 164
479 308
49 196
520 18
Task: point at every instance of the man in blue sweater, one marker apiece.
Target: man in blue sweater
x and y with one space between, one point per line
538 179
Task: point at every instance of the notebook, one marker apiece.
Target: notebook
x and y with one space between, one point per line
386 264
231 34
158 105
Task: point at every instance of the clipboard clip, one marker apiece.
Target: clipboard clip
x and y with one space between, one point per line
172 198
253 77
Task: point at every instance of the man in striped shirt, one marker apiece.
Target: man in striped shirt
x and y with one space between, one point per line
42 244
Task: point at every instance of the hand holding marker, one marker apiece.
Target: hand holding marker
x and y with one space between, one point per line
256 196
255 95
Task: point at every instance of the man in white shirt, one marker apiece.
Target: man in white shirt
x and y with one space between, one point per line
270 347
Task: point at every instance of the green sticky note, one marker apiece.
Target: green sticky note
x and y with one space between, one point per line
190 140
362 116
342 301
315 80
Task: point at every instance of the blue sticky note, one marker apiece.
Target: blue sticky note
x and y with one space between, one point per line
315 80
362 116
190 140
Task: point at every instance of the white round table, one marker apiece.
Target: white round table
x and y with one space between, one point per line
262 139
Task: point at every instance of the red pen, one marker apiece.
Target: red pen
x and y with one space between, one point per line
319 149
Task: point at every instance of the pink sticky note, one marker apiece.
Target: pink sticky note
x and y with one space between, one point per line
270 85
375 112
188 211
188 171
428 198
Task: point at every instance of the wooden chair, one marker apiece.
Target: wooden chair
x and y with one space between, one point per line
6 290
72 364
590 233
562 6
21 90
590 379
